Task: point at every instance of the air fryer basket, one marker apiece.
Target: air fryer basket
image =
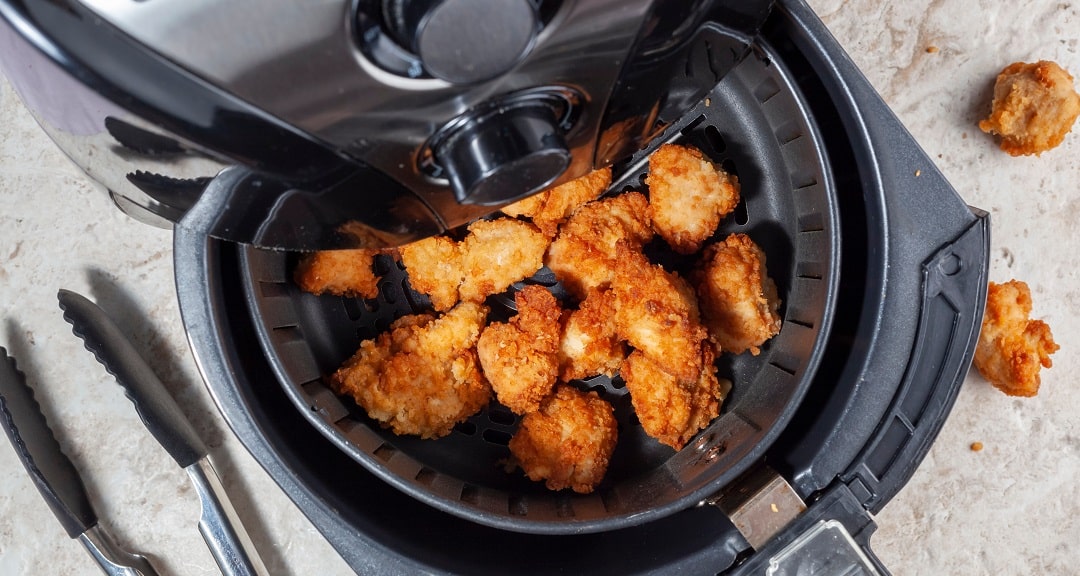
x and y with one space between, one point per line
755 124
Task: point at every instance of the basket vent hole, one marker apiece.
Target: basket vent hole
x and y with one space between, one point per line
564 508
501 415
274 289
467 428
766 90
519 505
810 270
354 308
498 437
470 494
426 476
385 452
715 140
740 214
288 333
618 383
729 166
812 222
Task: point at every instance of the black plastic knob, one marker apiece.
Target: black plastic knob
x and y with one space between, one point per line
464 41
503 156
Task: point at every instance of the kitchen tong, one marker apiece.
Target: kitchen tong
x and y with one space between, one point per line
58 480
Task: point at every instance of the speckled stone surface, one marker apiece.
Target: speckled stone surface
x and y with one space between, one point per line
1011 508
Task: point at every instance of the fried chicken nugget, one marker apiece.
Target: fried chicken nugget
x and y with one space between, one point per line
669 410
1012 348
739 301
422 376
339 272
568 442
1034 107
434 268
589 344
584 254
497 253
689 196
520 358
657 313
494 255
550 208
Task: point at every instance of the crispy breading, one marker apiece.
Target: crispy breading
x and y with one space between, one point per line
519 358
494 255
568 442
739 301
656 313
689 196
1012 348
1034 107
339 272
552 207
669 410
434 268
589 344
584 254
497 253
422 376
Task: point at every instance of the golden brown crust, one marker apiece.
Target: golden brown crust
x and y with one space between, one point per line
339 272
519 357
1034 107
669 410
497 253
689 196
739 301
552 207
568 442
584 254
589 344
422 376
494 255
1012 348
656 313
434 268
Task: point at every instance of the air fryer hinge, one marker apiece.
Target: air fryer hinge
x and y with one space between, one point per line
760 504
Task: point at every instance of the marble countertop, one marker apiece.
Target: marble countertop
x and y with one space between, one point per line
1011 508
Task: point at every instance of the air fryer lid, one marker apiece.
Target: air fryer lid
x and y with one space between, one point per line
754 123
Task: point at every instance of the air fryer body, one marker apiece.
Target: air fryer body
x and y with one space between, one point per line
353 123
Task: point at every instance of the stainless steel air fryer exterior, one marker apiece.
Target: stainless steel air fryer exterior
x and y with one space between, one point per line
338 126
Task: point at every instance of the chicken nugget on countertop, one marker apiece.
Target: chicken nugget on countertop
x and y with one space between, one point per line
568 442
1035 105
1012 348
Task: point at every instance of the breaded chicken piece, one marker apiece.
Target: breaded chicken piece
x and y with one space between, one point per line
669 410
552 207
497 253
494 255
688 195
339 272
589 343
656 312
739 301
1012 348
434 268
520 358
1034 107
422 376
584 254
568 442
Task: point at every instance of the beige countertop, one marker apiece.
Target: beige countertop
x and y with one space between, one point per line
1011 508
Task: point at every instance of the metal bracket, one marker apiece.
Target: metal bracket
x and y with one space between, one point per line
760 504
